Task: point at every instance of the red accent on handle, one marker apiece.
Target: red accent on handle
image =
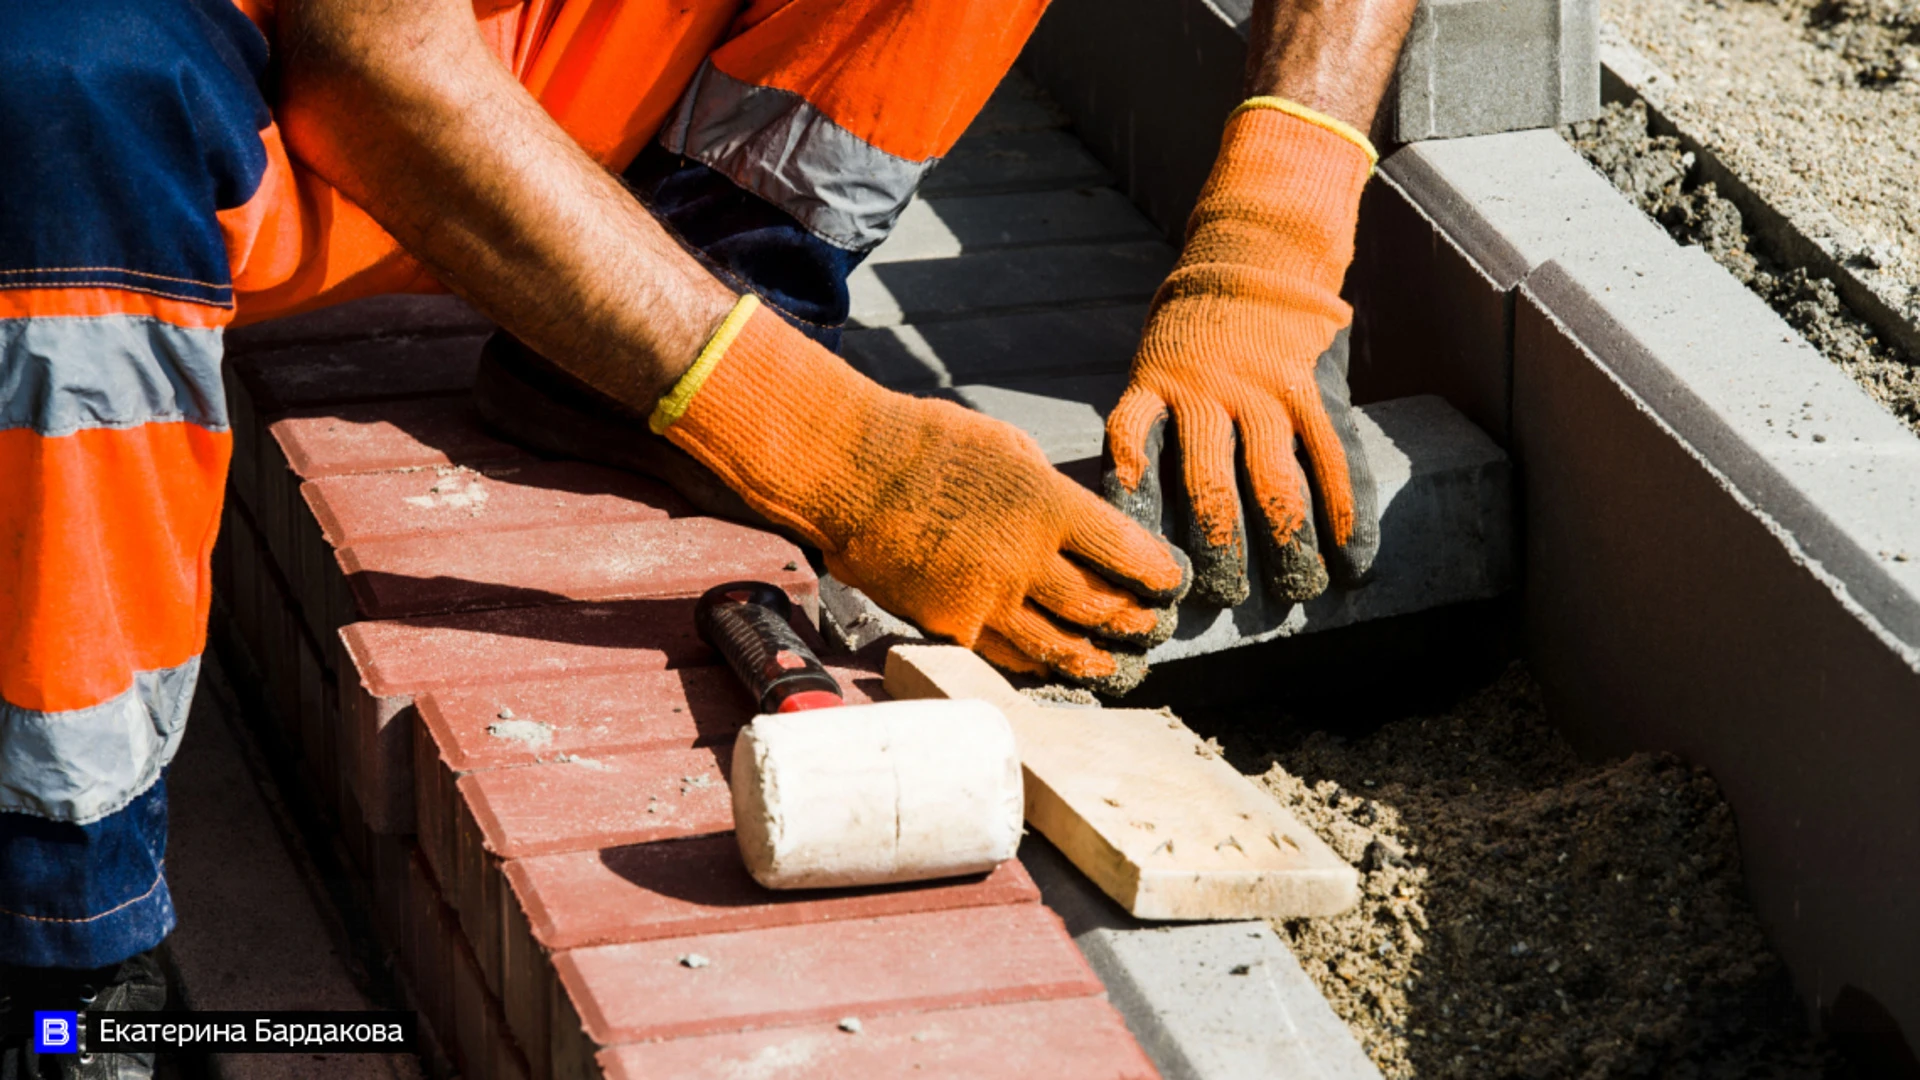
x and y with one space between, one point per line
811 699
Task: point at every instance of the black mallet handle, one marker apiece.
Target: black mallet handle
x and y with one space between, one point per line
748 623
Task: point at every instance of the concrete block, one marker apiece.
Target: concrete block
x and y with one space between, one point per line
1705 577
1447 520
1217 1001
1446 534
1479 67
1447 231
987 164
944 227
1081 1038
893 293
1149 83
1018 104
1025 345
1427 319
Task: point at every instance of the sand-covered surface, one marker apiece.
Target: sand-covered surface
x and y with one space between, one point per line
1525 914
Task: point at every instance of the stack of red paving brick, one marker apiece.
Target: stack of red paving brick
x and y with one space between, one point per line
487 666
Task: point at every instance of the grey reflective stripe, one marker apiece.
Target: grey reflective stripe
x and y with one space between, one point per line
82 765
771 142
62 374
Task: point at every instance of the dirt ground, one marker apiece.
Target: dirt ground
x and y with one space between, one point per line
1525 914
1816 103
1652 170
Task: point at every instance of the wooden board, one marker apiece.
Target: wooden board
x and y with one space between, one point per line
1142 806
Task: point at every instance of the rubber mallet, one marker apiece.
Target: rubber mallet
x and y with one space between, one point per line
827 794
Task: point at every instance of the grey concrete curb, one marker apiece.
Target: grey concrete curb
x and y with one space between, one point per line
1208 1001
1722 530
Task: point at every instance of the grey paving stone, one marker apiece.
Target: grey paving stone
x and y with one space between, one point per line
1690 588
1014 161
251 934
1018 104
1477 67
1025 279
945 227
1148 84
1218 1001
1026 345
1446 498
1446 534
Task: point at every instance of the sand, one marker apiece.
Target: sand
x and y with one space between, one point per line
1525 914
1815 104
1653 171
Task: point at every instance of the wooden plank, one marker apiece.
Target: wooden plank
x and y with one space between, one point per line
1143 807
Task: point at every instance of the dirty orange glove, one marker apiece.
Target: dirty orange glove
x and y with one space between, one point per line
941 515
1246 338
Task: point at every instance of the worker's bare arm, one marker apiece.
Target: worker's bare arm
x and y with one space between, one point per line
402 107
1334 56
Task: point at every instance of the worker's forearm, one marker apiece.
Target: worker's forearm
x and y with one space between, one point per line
402 107
1334 56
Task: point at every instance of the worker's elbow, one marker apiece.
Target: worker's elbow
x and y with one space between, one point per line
344 64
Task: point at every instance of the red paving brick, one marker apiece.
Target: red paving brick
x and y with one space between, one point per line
613 561
601 714
600 802
395 660
808 974
453 499
400 315
584 803
346 372
1074 1039
390 435
700 886
413 656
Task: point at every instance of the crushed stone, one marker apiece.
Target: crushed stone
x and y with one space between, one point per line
1524 914
1654 171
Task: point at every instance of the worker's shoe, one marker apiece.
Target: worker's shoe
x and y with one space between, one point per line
941 515
133 985
1245 353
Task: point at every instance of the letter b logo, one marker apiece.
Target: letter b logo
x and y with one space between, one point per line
55 1032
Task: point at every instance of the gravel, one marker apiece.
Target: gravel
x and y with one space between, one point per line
1815 104
1525 914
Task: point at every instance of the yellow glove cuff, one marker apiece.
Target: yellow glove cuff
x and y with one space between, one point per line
1316 118
678 400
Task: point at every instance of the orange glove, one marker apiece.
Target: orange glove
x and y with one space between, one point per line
1246 337
941 515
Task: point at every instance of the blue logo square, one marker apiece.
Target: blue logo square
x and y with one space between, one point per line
56 1032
